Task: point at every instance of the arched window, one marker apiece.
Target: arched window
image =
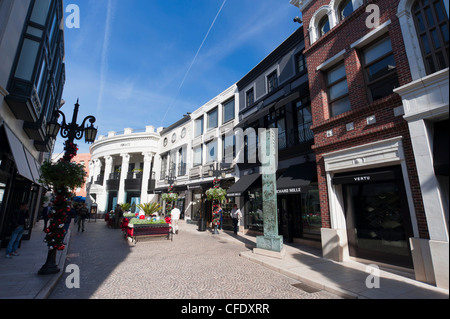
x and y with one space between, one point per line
432 29
345 9
324 26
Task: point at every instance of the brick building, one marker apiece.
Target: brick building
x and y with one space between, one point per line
370 189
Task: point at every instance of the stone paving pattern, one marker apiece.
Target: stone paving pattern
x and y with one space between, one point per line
196 265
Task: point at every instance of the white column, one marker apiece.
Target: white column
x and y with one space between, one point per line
108 169
146 175
123 175
97 169
103 203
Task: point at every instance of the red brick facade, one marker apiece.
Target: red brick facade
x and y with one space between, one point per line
340 38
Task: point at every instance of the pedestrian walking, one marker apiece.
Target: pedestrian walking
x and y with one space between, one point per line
118 215
44 214
72 213
18 225
82 214
175 217
236 216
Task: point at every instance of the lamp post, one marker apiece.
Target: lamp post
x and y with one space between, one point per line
72 132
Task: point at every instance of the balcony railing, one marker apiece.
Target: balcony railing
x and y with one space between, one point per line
182 169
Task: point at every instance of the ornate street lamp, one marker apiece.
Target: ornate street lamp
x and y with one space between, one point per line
70 131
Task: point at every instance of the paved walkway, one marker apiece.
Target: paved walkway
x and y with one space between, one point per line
303 265
19 277
345 279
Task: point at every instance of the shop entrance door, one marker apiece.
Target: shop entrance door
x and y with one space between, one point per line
289 217
378 222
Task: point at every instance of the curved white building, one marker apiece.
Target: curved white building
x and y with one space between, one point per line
121 166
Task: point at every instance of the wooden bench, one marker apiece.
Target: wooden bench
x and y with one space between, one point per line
137 232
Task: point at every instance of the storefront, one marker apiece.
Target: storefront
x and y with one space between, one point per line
298 203
18 183
377 215
298 210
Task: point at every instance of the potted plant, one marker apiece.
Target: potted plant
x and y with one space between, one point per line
149 208
170 198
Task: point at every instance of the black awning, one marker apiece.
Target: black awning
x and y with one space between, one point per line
242 185
296 179
440 148
180 188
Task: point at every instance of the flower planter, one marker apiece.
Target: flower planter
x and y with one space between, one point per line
137 232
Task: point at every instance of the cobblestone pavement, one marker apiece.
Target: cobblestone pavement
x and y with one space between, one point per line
193 266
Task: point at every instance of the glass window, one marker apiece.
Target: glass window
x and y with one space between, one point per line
229 148
250 97
345 9
311 214
301 63
40 11
199 126
272 82
338 99
276 119
198 157
27 60
432 31
380 69
213 119
41 85
228 111
164 163
211 152
304 120
324 26
254 217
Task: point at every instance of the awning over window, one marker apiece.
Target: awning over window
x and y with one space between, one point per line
34 167
18 153
296 179
242 185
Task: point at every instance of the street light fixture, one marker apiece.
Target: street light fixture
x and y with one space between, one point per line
70 131
216 173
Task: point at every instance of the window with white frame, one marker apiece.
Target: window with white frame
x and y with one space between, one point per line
338 98
324 26
211 152
213 119
272 81
228 111
198 155
198 126
380 69
250 97
432 28
345 9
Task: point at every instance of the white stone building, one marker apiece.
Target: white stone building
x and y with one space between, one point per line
121 166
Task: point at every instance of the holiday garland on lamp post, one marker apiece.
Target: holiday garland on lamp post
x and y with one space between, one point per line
217 195
63 176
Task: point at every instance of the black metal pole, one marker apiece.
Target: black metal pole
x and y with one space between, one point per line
72 132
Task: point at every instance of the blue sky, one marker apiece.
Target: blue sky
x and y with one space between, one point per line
134 63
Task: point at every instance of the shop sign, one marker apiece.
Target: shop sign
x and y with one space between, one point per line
363 178
295 190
